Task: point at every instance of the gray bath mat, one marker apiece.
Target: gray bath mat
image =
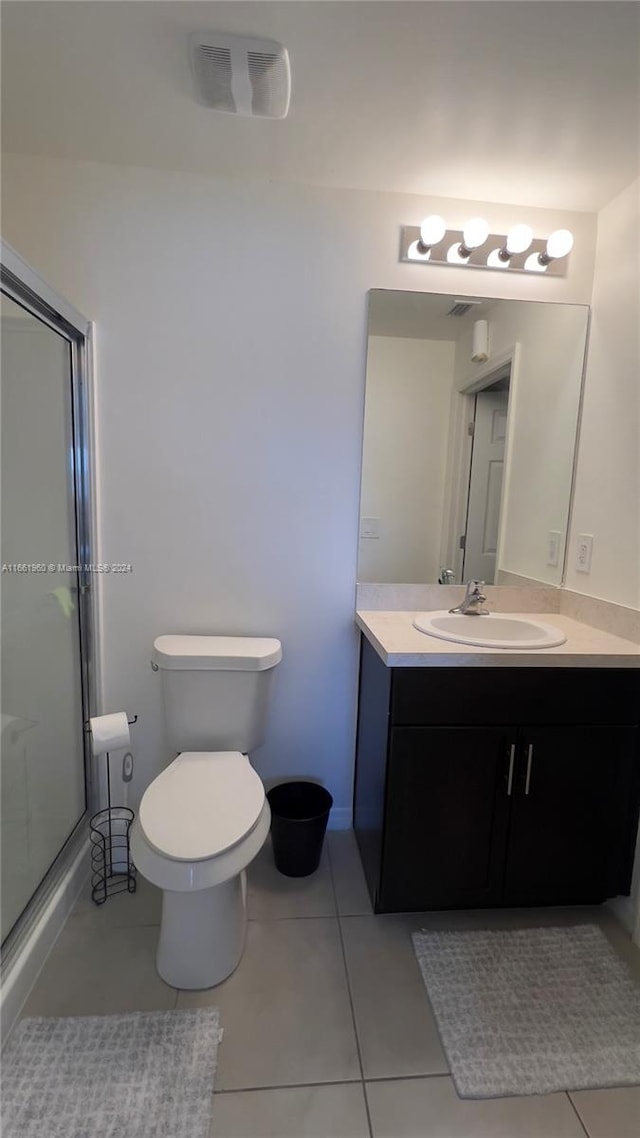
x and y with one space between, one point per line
530 1011
140 1075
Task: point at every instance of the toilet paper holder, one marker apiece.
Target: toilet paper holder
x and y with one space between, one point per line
112 870
87 725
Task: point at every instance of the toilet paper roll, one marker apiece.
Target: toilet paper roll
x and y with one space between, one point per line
480 347
109 732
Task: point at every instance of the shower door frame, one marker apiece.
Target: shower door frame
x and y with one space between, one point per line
26 288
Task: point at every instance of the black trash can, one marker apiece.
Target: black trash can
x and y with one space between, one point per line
299 815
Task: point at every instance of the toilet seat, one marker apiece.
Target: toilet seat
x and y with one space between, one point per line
201 805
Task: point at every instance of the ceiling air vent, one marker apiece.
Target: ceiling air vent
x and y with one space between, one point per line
241 75
461 307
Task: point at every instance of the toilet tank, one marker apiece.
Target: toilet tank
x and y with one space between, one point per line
215 690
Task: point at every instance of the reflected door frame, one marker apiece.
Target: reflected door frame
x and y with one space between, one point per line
455 514
484 499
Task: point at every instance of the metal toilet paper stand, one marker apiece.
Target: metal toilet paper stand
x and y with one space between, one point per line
112 870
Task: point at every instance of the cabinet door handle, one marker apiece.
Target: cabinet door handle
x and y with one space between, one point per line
512 756
529 762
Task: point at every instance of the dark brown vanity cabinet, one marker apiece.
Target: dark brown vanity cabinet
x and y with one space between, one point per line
498 786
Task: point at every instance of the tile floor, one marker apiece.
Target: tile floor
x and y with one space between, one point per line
328 1031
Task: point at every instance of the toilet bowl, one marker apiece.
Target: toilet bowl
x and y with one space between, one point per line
205 817
201 823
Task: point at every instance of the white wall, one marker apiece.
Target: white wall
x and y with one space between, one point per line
231 339
404 456
607 494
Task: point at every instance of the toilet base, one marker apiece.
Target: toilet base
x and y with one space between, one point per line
202 934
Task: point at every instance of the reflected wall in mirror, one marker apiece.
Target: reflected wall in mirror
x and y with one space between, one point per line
468 462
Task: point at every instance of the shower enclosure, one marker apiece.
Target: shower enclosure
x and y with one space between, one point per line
46 603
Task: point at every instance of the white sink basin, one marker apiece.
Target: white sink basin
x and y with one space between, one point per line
495 630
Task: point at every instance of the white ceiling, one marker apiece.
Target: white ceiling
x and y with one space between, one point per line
421 315
427 316
534 103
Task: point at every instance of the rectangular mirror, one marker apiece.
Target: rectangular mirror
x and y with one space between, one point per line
471 417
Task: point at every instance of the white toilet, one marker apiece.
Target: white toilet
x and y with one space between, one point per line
205 817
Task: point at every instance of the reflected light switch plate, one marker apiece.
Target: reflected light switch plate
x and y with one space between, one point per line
369 527
553 548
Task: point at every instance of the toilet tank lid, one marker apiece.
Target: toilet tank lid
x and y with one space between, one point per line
211 653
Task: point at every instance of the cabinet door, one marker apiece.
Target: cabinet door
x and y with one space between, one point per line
446 818
570 800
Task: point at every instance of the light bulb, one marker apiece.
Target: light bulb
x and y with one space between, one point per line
475 233
455 257
495 260
559 244
432 230
519 239
416 252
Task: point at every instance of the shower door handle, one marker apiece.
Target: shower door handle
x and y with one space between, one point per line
512 759
527 781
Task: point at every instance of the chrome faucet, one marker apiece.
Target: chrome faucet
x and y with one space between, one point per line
473 601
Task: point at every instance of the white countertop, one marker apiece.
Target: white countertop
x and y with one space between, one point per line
400 645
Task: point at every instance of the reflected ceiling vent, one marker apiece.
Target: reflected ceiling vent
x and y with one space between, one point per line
241 75
461 307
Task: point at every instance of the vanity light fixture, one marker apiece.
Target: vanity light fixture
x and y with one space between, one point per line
475 247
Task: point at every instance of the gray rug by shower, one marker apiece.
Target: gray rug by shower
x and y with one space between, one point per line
530 1011
140 1075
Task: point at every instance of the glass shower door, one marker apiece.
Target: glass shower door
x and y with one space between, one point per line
42 787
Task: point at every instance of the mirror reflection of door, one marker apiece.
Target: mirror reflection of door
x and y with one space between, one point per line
486 482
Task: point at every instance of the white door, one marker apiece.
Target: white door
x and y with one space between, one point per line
485 486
